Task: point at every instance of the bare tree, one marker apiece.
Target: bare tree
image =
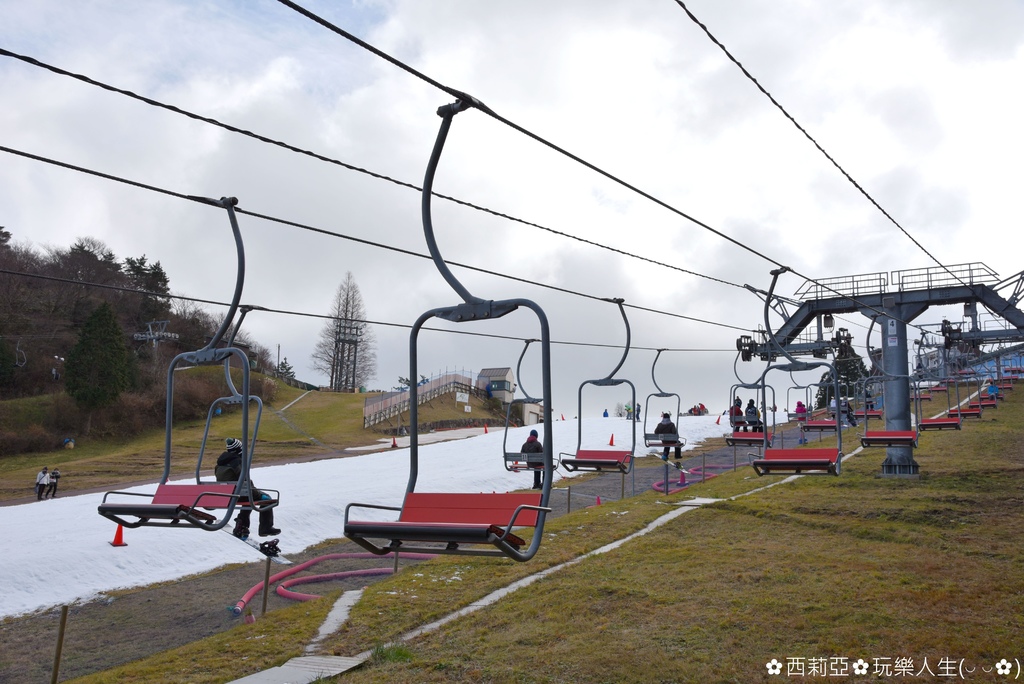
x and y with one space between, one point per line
346 352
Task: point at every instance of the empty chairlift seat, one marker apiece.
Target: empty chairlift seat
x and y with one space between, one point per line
941 423
798 462
598 460
749 439
889 438
965 412
452 519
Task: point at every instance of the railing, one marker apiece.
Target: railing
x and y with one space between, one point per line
843 286
934 277
390 404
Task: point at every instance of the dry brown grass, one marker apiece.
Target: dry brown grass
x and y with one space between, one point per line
855 567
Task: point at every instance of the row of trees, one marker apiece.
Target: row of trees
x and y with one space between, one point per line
67 318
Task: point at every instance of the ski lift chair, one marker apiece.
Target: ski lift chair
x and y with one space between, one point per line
203 505
654 439
458 523
601 460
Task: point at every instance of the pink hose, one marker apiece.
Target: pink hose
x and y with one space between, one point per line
240 606
282 588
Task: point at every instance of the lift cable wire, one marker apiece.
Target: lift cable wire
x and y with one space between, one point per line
351 167
363 241
814 142
271 141
477 104
288 312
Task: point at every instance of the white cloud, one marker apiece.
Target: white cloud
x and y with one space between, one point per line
916 100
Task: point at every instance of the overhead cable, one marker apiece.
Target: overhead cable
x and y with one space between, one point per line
351 167
288 312
477 104
814 142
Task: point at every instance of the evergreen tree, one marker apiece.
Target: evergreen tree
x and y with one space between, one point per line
285 370
151 278
851 371
99 366
345 352
8 359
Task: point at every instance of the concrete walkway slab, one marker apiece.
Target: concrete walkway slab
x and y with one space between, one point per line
303 670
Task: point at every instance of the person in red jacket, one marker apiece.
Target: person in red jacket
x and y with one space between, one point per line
736 415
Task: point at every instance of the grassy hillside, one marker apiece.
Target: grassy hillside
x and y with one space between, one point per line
313 424
819 572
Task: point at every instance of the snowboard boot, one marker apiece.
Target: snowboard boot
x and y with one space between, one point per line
240 531
267 524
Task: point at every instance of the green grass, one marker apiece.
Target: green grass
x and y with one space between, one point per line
318 424
852 567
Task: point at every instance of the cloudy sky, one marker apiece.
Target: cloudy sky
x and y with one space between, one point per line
920 101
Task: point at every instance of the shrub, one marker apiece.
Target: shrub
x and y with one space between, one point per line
32 438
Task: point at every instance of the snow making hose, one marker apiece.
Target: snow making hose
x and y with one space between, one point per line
248 596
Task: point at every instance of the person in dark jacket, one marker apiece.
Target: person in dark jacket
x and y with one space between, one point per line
229 469
667 427
51 489
753 417
532 445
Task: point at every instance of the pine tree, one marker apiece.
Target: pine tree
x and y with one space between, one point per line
851 370
285 370
8 359
98 367
345 352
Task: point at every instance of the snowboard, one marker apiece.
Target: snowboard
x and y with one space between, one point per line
268 548
675 464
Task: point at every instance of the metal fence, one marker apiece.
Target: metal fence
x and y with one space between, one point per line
382 407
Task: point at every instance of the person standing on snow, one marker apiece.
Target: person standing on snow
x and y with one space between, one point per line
532 445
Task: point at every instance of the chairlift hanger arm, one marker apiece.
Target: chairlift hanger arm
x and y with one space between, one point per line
228 204
519 368
625 351
446 112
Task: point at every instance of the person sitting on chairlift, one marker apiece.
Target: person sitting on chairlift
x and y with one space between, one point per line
229 469
753 417
736 415
846 413
532 445
993 390
667 427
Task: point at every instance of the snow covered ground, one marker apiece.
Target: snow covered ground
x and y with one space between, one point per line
58 550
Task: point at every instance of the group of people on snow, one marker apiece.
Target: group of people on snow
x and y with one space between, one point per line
46 483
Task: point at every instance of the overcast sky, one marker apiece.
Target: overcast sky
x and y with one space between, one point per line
920 101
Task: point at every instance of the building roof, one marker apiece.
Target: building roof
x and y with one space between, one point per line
494 372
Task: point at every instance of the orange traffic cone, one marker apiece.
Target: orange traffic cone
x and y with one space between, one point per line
718 420
485 428
118 537
394 443
611 442
597 502
563 416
